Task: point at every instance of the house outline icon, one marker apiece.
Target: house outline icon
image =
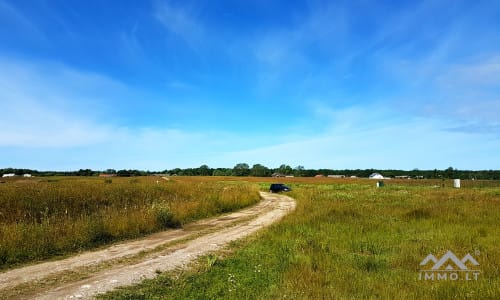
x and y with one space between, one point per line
449 260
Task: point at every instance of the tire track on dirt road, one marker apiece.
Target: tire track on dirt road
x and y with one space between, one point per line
202 237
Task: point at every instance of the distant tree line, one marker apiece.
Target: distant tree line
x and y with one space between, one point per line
258 170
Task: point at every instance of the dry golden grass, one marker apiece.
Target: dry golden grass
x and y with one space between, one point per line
41 218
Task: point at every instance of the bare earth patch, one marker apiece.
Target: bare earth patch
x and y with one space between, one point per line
131 262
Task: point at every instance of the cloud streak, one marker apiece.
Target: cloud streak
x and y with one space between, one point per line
179 21
12 17
179 83
408 145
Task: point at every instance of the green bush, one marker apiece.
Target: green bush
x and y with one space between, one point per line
164 216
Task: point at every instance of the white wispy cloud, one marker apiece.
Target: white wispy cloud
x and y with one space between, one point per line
414 143
432 105
130 46
50 105
180 21
10 16
465 92
29 124
483 73
181 85
40 121
56 117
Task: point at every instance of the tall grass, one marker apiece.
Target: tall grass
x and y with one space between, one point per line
353 241
41 218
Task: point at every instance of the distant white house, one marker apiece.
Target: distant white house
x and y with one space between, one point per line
376 176
27 175
9 175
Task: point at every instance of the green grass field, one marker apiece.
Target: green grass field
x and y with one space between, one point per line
350 240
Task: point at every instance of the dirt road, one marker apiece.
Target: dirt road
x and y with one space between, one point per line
92 273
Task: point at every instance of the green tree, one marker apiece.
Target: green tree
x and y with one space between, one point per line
176 171
204 170
82 172
222 172
285 169
123 173
241 169
298 171
449 173
259 170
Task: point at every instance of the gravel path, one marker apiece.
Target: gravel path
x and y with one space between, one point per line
196 239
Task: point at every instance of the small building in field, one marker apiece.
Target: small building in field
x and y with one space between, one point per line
336 176
9 175
376 176
27 175
277 175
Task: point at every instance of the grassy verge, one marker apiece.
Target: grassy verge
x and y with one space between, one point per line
351 241
45 218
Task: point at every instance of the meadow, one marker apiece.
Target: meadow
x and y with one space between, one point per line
348 239
42 218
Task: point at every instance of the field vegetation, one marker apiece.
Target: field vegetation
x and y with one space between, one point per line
349 240
43 218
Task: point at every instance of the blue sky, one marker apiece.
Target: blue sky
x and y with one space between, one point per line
323 84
